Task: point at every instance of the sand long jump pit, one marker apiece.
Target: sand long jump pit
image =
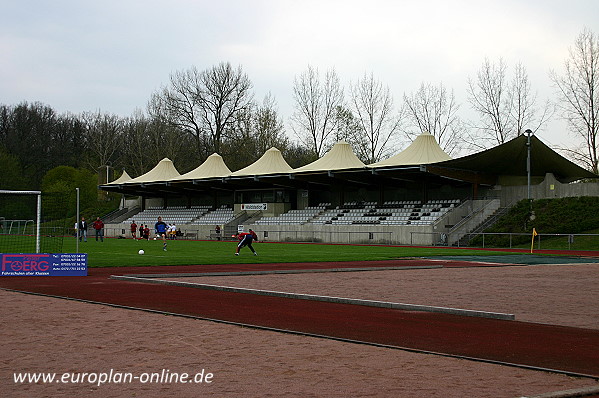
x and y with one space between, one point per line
256 362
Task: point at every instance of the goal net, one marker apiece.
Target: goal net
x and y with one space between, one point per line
32 222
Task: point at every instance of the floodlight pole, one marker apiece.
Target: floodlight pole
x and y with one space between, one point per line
528 133
108 164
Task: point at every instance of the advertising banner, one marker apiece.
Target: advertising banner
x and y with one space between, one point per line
254 206
43 264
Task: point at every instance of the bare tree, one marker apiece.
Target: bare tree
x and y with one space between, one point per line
432 110
178 105
254 131
239 150
578 89
506 108
490 96
103 136
316 102
147 141
203 104
269 126
524 112
373 105
135 145
224 92
349 129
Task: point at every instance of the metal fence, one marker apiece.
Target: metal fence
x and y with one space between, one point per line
482 240
517 240
378 237
365 237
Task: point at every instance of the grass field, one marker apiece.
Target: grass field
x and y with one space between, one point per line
124 252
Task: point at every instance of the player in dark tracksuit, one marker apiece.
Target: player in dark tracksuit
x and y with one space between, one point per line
245 239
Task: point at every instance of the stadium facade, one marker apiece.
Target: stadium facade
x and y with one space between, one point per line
420 196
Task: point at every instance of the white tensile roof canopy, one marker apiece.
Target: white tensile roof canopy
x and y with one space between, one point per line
165 170
123 178
423 150
341 156
213 167
271 162
508 159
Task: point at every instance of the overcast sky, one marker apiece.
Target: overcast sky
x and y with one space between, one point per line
109 55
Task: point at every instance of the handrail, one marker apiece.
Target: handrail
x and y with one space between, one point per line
471 215
449 213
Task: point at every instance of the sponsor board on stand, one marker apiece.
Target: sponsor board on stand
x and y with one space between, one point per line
254 206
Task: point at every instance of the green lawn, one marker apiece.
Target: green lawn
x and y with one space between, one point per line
124 252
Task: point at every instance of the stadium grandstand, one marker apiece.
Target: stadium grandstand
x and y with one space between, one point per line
419 196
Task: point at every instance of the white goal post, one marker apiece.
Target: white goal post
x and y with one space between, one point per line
38 212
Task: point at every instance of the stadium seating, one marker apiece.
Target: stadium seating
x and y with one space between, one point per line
178 215
222 215
170 215
350 213
295 216
389 213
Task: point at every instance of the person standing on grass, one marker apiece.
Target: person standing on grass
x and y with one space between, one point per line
82 229
245 239
133 230
99 227
161 230
141 231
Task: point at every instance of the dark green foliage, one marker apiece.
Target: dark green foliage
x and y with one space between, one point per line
59 186
12 173
39 139
566 216
34 139
63 181
551 216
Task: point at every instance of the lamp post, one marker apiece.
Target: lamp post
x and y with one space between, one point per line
528 133
108 164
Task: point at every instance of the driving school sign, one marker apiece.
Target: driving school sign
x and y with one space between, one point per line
254 206
61 264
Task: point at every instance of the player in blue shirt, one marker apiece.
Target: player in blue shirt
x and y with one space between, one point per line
161 229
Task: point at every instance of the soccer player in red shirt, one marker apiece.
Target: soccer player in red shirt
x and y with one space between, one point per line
245 239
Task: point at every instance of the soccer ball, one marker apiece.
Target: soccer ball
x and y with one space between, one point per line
154 238
141 251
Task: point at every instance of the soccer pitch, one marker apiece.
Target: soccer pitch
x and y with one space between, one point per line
124 252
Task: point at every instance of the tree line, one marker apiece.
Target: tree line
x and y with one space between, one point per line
200 112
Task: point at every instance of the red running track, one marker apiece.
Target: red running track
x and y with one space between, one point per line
567 349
